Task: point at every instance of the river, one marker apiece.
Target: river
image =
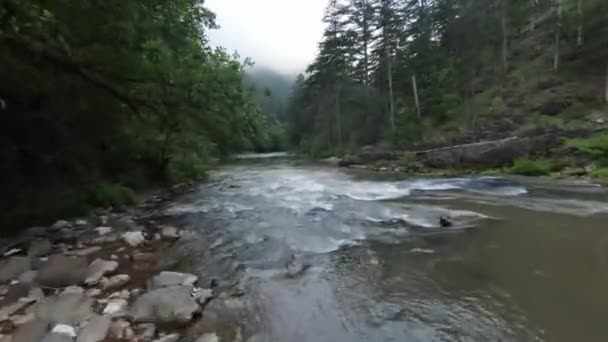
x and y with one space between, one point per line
328 254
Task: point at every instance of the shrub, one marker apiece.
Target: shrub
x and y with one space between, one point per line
595 147
601 173
529 167
110 195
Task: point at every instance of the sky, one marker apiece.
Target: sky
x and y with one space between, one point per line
279 34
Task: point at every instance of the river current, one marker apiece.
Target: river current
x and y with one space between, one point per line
328 254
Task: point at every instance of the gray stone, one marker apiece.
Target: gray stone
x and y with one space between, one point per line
7 311
170 233
33 331
57 337
84 251
96 330
202 296
168 338
166 278
39 248
61 224
165 305
12 267
27 277
99 268
115 307
69 308
134 239
121 330
114 282
103 230
146 331
62 271
211 337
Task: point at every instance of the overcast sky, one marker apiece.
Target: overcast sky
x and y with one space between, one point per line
278 34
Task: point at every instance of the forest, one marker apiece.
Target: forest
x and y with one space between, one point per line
101 98
413 73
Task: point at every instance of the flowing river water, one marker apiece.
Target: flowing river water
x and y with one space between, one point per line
327 254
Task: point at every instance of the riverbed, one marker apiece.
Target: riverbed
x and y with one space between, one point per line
328 254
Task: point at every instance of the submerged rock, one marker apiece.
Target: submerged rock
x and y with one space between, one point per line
69 308
165 305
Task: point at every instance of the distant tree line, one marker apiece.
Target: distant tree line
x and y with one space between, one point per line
400 70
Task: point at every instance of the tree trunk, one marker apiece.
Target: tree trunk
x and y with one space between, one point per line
579 36
416 100
338 118
503 22
391 99
606 95
558 4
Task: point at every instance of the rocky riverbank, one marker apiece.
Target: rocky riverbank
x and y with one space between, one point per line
107 277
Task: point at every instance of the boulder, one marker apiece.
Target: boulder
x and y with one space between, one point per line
133 239
39 248
69 308
97 269
12 267
115 307
167 305
62 271
95 330
27 277
166 278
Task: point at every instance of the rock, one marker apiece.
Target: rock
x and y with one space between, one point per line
105 239
103 230
27 277
166 278
73 289
62 271
211 337
65 330
35 294
202 296
7 311
124 294
84 251
33 331
95 330
69 308
143 257
97 269
168 338
134 239
61 224
165 305
349 160
121 330
115 307
22 319
114 257
81 223
170 233
93 292
12 267
445 222
39 248
13 252
146 331
115 281
61 333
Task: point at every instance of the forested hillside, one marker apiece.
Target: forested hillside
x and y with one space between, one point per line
409 73
272 90
101 97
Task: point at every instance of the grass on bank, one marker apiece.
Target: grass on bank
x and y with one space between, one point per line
532 167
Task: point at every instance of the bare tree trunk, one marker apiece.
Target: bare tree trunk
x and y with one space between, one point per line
579 37
338 118
606 95
391 99
558 4
416 100
503 22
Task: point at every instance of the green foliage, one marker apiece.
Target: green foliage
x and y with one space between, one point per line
110 195
532 167
601 173
595 147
